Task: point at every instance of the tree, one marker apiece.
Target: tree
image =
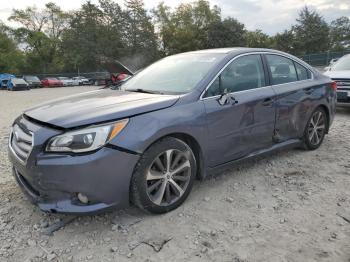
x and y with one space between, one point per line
40 33
311 32
226 33
141 37
285 41
96 32
340 33
163 20
187 27
11 58
257 39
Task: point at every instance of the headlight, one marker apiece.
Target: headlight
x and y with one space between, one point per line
87 139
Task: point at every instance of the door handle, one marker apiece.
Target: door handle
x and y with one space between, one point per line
308 90
267 102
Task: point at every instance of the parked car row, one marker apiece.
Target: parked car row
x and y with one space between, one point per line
13 83
65 81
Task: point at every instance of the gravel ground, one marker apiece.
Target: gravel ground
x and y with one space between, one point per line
291 206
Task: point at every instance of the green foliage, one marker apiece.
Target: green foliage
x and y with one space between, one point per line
311 33
187 28
226 33
11 58
53 41
284 41
257 39
140 38
340 33
40 33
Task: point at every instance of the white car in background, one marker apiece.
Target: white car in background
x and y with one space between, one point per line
80 80
340 73
66 81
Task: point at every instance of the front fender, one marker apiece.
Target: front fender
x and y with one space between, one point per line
143 130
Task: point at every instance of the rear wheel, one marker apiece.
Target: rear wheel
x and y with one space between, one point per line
316 129
164 176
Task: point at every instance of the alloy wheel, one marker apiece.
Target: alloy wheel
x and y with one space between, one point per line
168 177
317 127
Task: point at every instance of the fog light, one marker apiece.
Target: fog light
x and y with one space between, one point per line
82 198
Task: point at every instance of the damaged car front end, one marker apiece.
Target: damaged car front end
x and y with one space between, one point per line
73 183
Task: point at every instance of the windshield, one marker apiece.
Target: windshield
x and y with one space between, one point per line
18 81
176 74
342 64
63 78
52 79
31 78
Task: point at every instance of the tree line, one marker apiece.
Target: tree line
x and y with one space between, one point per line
51 40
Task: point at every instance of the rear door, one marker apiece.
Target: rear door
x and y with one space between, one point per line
293 86
246 122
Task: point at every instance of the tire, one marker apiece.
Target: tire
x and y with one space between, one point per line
315 129
160 192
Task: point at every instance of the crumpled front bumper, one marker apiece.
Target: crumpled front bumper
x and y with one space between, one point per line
52 181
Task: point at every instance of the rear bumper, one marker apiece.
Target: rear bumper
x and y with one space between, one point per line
52 181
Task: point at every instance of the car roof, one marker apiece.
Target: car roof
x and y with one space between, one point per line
229 50
233 51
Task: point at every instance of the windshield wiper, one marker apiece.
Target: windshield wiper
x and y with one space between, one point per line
140 90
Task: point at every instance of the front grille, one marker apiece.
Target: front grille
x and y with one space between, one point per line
341 82
21 142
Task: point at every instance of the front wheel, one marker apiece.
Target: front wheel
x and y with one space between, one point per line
164 176
315 130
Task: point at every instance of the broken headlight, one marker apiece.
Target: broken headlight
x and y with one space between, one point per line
86 139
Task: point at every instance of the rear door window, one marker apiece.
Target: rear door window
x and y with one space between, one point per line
282 69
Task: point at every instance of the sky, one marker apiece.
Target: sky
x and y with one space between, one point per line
270 16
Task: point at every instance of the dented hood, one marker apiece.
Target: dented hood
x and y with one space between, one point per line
98 106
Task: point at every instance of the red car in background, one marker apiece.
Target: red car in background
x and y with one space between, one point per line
51 82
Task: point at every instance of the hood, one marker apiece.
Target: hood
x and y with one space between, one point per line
338 74
98 106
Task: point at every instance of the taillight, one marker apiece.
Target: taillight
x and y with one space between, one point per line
334 86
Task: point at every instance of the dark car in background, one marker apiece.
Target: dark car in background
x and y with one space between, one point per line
33 81
51 82
184 117
340 73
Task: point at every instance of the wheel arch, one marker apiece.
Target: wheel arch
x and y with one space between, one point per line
326 109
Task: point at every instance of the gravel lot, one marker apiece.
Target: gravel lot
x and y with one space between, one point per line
290 206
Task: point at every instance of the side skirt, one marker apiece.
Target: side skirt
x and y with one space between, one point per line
292 143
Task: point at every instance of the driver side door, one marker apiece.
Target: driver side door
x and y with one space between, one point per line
240 110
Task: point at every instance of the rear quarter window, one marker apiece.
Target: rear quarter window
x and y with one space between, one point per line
303 73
